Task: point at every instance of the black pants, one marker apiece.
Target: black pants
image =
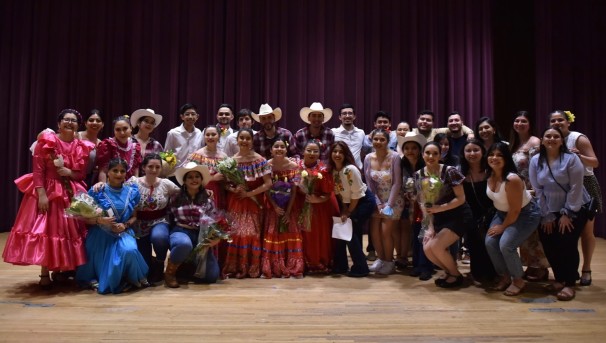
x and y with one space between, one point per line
561 249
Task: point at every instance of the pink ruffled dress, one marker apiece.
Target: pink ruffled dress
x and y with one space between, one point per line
50 239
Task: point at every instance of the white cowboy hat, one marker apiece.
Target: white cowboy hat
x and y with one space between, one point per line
411 137
140 113
315 107
264 110
192 166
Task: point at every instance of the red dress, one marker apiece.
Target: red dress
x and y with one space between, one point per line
244 252
317 243
282 254
50 239
110 148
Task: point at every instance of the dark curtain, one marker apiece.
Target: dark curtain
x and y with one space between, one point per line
571 72
398 56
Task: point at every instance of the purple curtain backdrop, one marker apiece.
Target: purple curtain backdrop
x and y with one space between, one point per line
570 70
399 56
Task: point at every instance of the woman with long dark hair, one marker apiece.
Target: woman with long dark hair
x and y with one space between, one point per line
556 175
119 146
487 132
516 219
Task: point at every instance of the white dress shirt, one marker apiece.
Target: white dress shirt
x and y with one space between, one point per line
183 143
354 139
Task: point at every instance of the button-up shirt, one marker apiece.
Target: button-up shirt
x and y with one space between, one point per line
183 142
354 139
326 137
262 144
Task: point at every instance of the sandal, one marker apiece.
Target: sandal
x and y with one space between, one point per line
514 290
566 294
502 285
553 287
45 282
585 281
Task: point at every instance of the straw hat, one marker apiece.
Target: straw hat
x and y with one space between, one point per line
140 113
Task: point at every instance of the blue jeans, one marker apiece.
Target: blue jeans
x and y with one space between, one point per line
420 262
359 217
182 242
503 249
160 240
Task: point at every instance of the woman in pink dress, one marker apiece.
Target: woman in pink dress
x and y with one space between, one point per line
122 146
244 252
42 234
317 237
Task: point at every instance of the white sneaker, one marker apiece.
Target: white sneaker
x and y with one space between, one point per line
387 268
376 265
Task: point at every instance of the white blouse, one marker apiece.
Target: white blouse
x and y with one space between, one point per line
348 183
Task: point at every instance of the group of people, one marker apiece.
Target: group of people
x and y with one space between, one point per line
422 190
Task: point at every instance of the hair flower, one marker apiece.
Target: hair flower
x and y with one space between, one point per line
570 116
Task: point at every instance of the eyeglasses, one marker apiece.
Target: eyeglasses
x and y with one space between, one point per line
69 120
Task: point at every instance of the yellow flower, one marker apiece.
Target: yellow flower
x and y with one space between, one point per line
304 173
569 116
320 176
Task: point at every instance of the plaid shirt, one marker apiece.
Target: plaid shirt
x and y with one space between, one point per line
262 144
190 214
327 137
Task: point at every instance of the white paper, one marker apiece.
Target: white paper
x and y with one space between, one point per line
342 230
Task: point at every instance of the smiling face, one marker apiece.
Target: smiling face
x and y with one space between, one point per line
402 129
347 116
245 140
552 140
486 131
94 123
472 153
431 155
267 121
311 154
116 175
278 149
455 123
192 180
411 151
382 123
444 146
211 136
316 119
146 124
496 161
68 123
189 117
122 131
153 168
380 141
425 122
338 156
521 125
224 116
559 121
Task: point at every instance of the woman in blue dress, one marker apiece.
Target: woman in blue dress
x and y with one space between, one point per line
114 263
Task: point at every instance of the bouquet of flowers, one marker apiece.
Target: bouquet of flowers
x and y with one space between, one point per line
214 226
308 179
229 168
280 192
83 206
430 188
169 162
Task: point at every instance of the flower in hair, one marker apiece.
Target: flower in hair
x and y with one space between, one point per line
570 116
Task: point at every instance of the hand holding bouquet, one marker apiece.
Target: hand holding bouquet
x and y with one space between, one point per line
430 188
229 168
308 180
280 193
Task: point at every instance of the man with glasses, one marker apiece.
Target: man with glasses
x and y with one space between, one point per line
348 133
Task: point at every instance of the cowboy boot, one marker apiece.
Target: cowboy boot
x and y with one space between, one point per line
170 279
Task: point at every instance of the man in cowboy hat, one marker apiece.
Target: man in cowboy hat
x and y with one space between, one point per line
225 114
348 133
315 116
264 139
244 121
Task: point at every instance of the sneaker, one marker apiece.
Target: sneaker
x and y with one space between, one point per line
387 268
376 265
372 256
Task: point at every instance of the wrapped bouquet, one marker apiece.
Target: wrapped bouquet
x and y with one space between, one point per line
169 162
214 226
229 168
280 192
308 179
429 192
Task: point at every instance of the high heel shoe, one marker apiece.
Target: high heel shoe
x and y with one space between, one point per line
585 281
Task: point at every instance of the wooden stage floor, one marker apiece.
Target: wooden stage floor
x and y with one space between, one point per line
398 308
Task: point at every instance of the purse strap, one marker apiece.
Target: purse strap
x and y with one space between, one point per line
554 179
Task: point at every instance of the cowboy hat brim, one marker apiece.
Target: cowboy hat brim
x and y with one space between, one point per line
411 137
193 166
140 113
277 112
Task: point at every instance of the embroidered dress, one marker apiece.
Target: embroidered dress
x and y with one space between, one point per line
381 183
50 239
282 254
113 259
317 243
244 252
152 146
110 148
216 187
